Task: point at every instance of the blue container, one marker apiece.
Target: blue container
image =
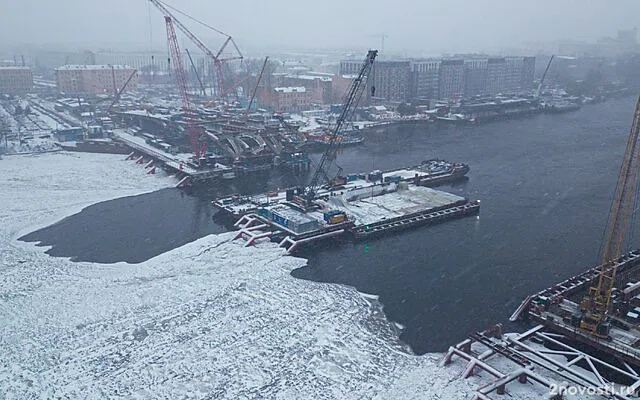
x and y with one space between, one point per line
328 214
279 220
394 179
352 177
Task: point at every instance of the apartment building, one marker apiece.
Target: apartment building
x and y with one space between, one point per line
451 81
425 75
475 70
15 80
93 79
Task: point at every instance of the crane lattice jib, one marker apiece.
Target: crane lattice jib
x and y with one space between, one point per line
182 85
619 217
215 57
116 98
350 104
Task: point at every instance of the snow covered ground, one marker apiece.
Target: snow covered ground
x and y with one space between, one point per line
211 319
35 132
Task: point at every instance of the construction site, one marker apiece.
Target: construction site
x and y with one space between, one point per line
585 330
358 205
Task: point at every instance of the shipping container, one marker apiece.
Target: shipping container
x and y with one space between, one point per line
336 219
331 213
279 220
394 179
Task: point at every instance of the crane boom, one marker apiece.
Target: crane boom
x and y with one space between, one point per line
255 89
543 76
119 92
598 302
348 109
214 56
181 79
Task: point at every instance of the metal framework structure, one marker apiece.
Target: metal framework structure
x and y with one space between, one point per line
116 98
350 104
597 303
181 79
217 58
532 361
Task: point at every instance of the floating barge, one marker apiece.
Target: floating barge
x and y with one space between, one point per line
429 173
555 308
360 213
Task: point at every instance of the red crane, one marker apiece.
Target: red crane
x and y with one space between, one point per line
193 131
217 58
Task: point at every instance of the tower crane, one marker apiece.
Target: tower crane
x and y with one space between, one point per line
349 106
596 305
193 131
217 58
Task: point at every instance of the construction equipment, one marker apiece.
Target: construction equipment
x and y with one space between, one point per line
595 307
193 131
349 106
116 98
195 71
255 89
537 95
216 57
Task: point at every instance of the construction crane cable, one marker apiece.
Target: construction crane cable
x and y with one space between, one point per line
194 19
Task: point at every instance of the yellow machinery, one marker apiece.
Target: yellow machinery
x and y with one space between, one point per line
596 304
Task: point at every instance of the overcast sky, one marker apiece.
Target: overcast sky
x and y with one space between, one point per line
411 25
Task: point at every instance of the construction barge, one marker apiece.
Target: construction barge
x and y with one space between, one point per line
557 309
355 214
429 173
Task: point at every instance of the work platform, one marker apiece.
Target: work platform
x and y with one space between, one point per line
390 211
554 307
430 173
541 364
178 163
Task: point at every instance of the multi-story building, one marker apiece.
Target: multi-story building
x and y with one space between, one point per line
451 83
425 76
391 80
475 71
513 74
15 80
318 86
495 75
93 79
528 72
339 86
350 67
286 99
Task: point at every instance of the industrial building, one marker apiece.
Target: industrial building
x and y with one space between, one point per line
15 80
93 79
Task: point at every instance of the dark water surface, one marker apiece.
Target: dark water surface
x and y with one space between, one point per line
545 185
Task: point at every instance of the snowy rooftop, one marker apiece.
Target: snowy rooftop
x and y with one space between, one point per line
313 77
291 89
70 67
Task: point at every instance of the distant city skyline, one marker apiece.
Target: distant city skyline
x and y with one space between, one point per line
411 27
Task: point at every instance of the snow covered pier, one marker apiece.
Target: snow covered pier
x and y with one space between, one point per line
185 168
